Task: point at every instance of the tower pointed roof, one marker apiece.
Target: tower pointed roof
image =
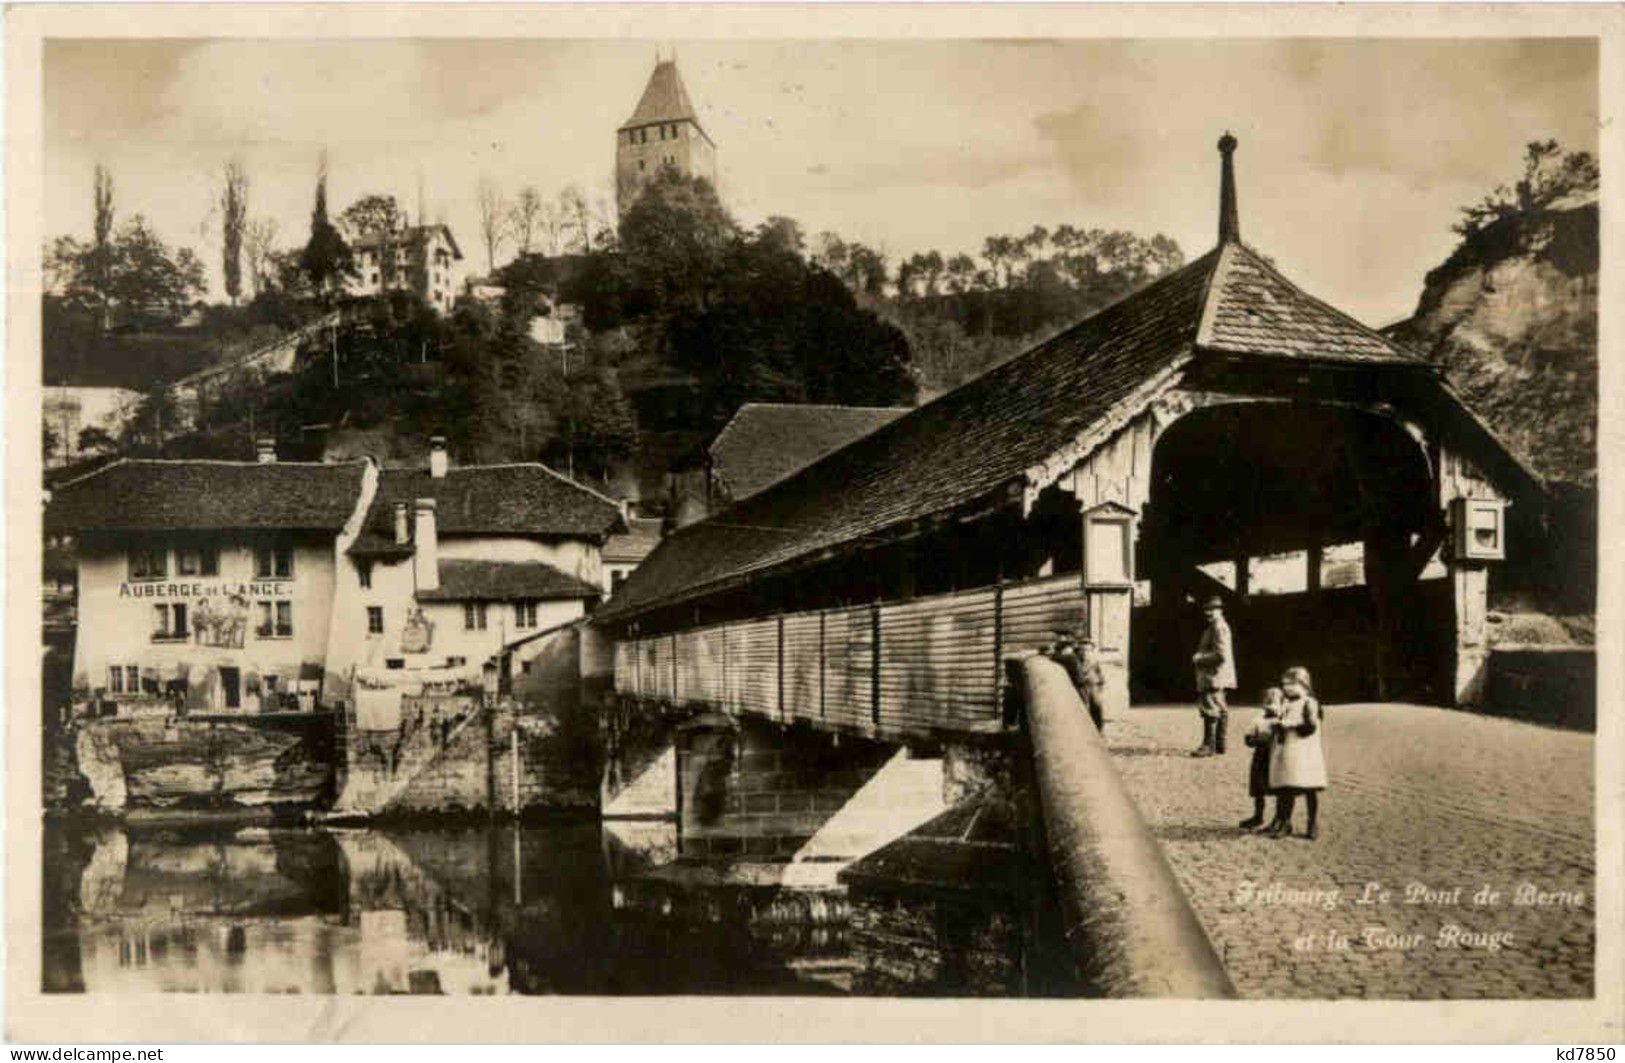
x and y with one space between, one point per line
665 99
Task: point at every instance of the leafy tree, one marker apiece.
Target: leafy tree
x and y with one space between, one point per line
372 215
778 328
1000 253
326 260
155 420
285 297
782 234
96 439
136 273
1549 174
597 426
674 239
605 287
378 219
961 270
832 254
868 269
930 266
233 214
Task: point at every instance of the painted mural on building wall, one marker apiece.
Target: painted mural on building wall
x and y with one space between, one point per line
221 622
418 634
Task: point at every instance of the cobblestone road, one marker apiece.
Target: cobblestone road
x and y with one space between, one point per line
1425 796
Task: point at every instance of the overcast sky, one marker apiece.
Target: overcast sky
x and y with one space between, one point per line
1354 154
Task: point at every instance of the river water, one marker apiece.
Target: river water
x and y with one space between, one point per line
574 907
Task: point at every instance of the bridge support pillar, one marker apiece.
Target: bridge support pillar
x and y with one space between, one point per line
640 767
1469 586
758 791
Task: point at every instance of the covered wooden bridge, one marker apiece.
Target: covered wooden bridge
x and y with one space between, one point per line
1219 431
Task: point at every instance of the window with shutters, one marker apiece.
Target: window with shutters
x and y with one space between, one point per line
169 623
273 562
203 561
147 563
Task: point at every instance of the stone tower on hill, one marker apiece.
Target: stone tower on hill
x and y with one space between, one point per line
664 130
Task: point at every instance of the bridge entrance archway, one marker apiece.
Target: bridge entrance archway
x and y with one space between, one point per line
1318 526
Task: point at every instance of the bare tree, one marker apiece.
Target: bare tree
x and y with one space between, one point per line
259 243
234 215
493 208
525 218
578 218
552 225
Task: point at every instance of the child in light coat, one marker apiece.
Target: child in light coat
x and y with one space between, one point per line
1297 759
1260 737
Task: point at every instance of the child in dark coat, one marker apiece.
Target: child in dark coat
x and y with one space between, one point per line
1260 737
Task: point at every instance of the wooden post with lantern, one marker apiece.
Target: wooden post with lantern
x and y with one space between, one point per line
1477 520
1108 584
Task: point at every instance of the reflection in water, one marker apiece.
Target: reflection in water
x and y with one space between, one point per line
561 908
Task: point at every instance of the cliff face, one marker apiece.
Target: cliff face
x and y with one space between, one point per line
1512 316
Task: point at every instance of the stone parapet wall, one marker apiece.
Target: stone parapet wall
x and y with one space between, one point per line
1554 685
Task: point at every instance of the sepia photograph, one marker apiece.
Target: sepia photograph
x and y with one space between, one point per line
1054 517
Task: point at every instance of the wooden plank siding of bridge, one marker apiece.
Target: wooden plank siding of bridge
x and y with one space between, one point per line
928 666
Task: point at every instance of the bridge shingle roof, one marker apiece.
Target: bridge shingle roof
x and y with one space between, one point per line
984 435
766 441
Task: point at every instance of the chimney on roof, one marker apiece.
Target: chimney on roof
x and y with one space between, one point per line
403 530
437 457
1229 219
265 450
426 556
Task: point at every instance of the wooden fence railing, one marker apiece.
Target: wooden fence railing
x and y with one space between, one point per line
927 665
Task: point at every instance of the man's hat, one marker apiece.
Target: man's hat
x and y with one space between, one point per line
1214 602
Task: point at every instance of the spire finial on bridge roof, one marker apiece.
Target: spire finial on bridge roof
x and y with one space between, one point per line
1229 218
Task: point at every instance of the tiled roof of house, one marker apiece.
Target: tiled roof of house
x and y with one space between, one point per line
505 581
766 441
412 234
155 495
984 435
528 500
636 543
664 99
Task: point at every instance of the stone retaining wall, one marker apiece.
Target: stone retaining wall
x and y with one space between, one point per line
167 762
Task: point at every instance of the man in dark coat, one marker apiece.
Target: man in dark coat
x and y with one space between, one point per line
1215 665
